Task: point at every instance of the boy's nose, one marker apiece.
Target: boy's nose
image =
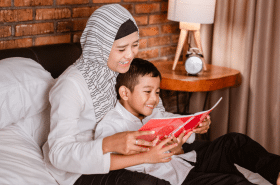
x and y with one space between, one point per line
153 97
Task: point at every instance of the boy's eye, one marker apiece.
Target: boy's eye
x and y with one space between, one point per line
158 92
121 50
136 45
147 92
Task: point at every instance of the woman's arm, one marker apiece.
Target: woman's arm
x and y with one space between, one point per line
123 142
156 154
71 148
112 128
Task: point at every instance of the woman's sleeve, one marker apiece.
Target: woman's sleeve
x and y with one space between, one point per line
66 151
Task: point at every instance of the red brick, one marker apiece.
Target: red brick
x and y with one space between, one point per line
164 6
158 41
141 20
135 0
33 2
5 31
64 26
147 54
170 28
17 43
175 38
76 37
83 11
106 1
76 25
162 59
157 19
53 40
170 50
53 13
147 8
148 31
79 25
34 29
5 3
129 7
66 2
16 15
142 43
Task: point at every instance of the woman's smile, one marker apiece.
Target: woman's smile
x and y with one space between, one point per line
125 64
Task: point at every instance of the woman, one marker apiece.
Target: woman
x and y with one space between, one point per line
83 94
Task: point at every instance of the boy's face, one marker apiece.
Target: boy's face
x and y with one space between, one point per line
145 96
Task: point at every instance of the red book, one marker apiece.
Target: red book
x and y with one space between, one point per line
173 125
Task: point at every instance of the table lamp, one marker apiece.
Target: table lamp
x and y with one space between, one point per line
190 14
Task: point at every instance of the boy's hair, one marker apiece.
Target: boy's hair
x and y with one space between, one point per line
138 67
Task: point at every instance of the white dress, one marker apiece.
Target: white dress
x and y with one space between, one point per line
120 120
70 150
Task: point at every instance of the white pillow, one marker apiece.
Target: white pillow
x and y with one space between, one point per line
21 159
24 88
37 126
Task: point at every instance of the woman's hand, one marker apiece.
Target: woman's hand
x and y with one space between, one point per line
161 152
156 154
203 126
126 143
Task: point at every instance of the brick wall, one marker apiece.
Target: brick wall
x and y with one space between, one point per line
25 23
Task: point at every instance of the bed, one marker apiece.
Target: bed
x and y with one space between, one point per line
26 76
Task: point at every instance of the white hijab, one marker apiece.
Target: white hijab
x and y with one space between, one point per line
96 41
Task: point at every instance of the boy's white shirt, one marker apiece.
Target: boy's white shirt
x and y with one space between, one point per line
120 120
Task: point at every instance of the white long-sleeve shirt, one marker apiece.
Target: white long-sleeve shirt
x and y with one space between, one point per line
120 120
70 150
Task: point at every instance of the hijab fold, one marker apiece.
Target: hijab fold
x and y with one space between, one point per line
96 42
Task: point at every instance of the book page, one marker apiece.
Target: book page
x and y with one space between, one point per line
173 125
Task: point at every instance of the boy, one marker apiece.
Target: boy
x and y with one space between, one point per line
138 95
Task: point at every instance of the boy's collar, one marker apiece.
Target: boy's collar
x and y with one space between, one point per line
125 113
129 116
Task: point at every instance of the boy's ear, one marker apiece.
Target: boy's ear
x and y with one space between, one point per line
123 91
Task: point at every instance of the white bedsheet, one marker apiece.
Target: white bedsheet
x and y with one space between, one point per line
21 159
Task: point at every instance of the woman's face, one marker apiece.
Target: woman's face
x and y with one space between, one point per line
123 52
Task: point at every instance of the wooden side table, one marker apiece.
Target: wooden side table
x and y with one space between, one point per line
214 78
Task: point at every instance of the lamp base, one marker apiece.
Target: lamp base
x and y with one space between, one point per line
186 28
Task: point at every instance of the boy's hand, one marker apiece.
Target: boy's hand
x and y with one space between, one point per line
159 153
182 138
203 126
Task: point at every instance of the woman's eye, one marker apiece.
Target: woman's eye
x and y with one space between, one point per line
147 92
157 92
136 45
121 50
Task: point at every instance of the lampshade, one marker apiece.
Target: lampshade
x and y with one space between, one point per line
192 11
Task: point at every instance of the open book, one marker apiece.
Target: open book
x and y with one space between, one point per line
173 125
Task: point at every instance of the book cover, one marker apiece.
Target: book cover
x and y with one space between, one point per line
173 125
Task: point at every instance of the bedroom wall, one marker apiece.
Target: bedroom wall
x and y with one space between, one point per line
25 23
